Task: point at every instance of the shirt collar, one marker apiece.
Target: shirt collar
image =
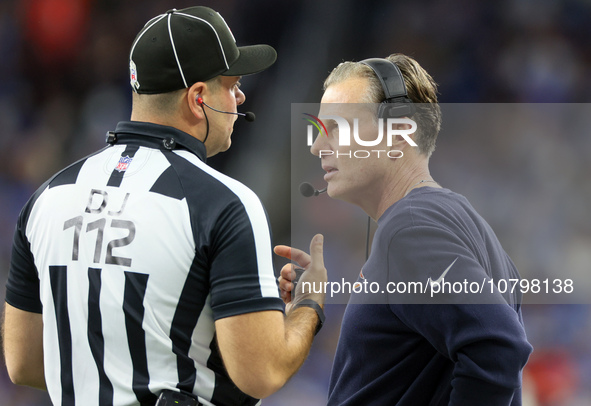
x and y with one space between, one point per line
156 135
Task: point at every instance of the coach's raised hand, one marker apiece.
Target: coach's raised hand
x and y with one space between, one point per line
311 284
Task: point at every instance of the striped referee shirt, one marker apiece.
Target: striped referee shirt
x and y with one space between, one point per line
131 254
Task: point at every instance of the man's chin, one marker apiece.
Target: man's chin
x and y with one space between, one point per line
226 146
341 194
333 192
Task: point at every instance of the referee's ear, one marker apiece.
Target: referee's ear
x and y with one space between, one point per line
197 90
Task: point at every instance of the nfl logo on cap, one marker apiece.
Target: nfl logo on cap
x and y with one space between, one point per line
133 76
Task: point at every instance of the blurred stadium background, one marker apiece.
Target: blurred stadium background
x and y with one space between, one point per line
64 83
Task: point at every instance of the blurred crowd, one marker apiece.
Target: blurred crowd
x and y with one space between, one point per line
64 83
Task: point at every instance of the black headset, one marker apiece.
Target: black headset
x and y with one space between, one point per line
396 102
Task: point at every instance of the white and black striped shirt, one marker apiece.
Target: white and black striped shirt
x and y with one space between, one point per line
131 254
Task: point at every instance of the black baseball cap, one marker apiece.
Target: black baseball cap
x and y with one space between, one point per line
176 49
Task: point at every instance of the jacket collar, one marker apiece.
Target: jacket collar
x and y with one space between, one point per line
156 136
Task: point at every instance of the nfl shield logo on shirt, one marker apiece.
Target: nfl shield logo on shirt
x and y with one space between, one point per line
123 163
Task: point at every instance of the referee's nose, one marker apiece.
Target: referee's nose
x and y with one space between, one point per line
240 97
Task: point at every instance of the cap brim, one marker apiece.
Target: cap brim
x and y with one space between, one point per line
252 59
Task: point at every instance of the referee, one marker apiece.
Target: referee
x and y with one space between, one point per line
139 274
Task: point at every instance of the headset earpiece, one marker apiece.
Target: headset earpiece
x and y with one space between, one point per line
199 99
398 108
396 101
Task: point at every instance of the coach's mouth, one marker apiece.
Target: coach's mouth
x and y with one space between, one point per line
330 172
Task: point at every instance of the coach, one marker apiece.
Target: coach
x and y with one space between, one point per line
465 350
140 272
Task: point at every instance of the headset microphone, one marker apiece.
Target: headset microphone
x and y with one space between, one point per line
248 116
307 190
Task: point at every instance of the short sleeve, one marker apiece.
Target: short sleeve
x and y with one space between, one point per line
241 273
22 287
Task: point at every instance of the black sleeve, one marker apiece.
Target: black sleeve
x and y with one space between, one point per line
22 287
241 274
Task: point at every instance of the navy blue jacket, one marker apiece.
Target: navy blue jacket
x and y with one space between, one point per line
457 348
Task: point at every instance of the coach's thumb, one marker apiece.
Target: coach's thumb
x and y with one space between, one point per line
317 251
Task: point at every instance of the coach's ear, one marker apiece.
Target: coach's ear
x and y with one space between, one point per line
402 132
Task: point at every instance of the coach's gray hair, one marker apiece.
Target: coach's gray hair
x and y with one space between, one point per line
421 89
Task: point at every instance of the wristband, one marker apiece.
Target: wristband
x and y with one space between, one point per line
313 305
